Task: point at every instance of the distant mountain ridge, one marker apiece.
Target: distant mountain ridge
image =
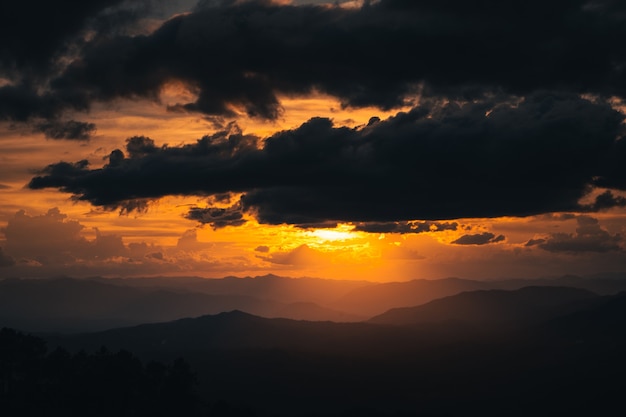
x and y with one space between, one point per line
272 287
376 299
568 362
527 304
66 304
530 307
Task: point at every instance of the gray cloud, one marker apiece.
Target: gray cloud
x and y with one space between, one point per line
218 217
405 227
604 201
380 54
71 129
6 260
479 239
589 237
303 255
439 161
63 242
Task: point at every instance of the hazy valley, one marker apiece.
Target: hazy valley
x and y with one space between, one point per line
487 351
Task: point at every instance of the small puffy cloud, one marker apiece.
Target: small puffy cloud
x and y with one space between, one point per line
6 260
589 237
479 239
140 249
405 227
140 145
105 246
535 242
303 255
52 238
189 242
559 217
71 129
262 249
156 255
605 201
218 217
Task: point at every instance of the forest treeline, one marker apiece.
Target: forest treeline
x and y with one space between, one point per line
38 382
537 351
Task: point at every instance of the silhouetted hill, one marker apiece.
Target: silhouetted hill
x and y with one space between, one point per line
313 312
72 305
377 298
603 322
239 330
558 354
602 285
66 304
493 306
296 368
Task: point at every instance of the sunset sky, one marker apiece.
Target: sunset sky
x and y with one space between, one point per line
382 140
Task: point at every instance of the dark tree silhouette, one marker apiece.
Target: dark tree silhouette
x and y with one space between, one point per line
36 383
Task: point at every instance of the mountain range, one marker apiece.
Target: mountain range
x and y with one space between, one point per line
445 348
74 305
568 363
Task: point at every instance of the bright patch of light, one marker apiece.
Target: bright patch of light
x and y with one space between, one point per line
342 232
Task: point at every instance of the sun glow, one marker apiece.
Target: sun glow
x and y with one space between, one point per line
342 232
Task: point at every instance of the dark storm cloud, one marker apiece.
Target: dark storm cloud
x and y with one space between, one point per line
483 159
36 39
35 33
606 200
405 227
22 103
242 54
218 217
479 239
589 237
71 129
39 38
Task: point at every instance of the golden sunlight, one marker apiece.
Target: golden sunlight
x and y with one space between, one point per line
340 233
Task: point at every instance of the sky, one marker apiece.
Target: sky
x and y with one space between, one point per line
382 140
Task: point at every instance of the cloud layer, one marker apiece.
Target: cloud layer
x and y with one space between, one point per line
240 56
439 161
589 237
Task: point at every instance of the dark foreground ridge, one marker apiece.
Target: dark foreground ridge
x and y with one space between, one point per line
247 365
37 382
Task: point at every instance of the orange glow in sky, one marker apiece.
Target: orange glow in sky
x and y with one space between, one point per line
435 182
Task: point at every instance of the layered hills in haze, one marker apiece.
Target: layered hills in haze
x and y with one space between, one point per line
445 348
66 304
570 364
